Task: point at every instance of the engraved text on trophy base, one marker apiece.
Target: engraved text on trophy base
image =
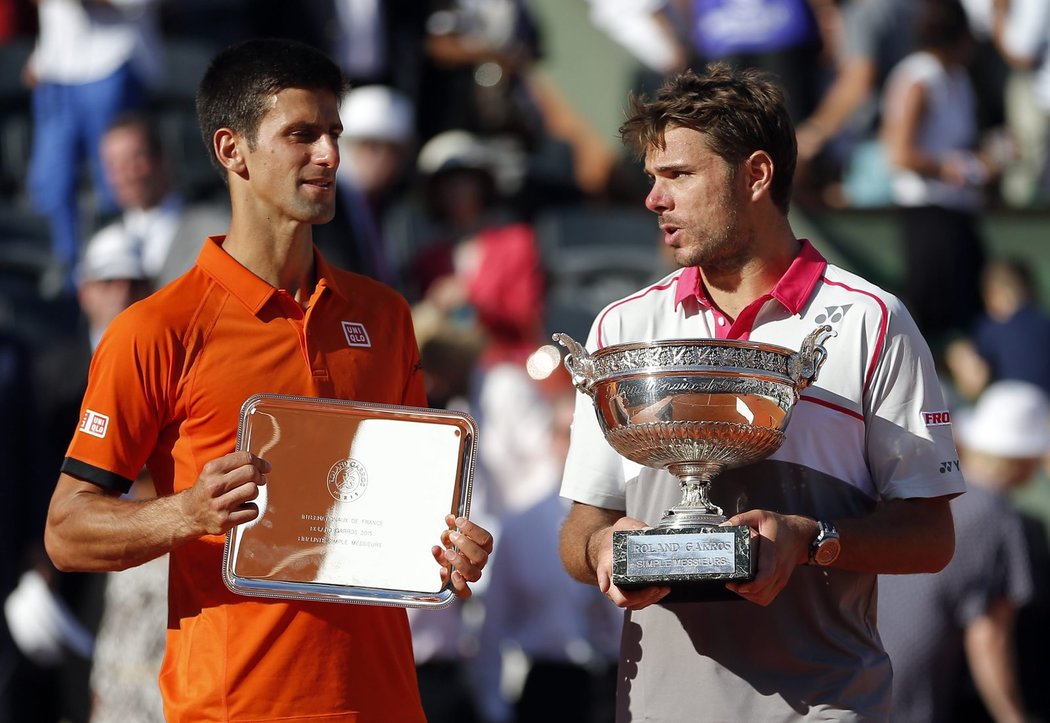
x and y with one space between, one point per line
664 556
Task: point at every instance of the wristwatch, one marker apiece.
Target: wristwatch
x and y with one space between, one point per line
826 546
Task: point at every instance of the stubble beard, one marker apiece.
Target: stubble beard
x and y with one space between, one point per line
724 249
315 212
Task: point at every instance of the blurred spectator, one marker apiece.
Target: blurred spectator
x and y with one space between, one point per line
377 41
568 633
482 76
478 55
930 624
780 37
842 130
448 355
155 223
929 128
1011 339
376 150
92 60
109 279
1022 35
646 29
54 614
482 267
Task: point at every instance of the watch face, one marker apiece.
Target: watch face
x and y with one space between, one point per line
827 551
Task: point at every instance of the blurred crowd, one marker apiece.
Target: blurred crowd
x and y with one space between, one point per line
470 183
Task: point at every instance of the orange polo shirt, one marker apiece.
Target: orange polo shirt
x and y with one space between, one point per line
165 391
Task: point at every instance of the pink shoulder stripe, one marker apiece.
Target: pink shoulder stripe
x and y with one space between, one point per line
656 287
883 324
832 406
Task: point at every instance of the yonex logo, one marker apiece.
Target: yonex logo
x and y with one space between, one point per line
356 334
833 314
947 467
937 419
94 424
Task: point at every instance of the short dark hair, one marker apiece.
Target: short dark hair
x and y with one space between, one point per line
236 89
941 25
1014 273
739 111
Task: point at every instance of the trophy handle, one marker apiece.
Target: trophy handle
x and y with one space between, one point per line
812 356
579 363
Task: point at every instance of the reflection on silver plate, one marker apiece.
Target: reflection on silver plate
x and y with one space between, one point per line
355 500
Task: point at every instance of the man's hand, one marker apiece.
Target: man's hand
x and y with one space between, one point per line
222 496
587 551
599 551
94 529
463 553
783 546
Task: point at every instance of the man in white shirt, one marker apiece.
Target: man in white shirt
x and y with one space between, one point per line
1021 31
155 224
865 473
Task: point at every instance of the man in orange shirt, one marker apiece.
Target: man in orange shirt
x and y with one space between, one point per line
260 311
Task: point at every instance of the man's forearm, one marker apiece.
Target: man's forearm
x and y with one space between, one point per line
899 537
96 532
585 531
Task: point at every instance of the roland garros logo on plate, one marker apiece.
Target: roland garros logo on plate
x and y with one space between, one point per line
347 480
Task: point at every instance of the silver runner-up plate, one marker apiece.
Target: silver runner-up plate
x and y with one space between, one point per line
355 499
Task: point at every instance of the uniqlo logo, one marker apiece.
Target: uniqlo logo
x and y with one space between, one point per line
356 334
94 424
937 419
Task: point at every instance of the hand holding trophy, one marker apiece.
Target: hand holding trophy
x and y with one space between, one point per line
694 408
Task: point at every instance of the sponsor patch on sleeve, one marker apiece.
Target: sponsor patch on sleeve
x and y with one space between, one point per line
94 424
937 419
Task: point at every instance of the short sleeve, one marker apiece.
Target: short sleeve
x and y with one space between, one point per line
594 473
123 405
910 445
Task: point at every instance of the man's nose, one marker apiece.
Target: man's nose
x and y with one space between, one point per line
657 200
326 151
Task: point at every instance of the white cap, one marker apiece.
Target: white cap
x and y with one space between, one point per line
377 112
106 259
1010 419
452 150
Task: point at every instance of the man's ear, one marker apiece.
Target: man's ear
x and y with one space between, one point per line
759 173
227 147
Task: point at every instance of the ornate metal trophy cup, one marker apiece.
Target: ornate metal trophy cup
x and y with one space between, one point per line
694 408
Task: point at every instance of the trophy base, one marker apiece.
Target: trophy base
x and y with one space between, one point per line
696 562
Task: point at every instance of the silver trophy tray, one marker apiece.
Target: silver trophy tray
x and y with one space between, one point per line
355 499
